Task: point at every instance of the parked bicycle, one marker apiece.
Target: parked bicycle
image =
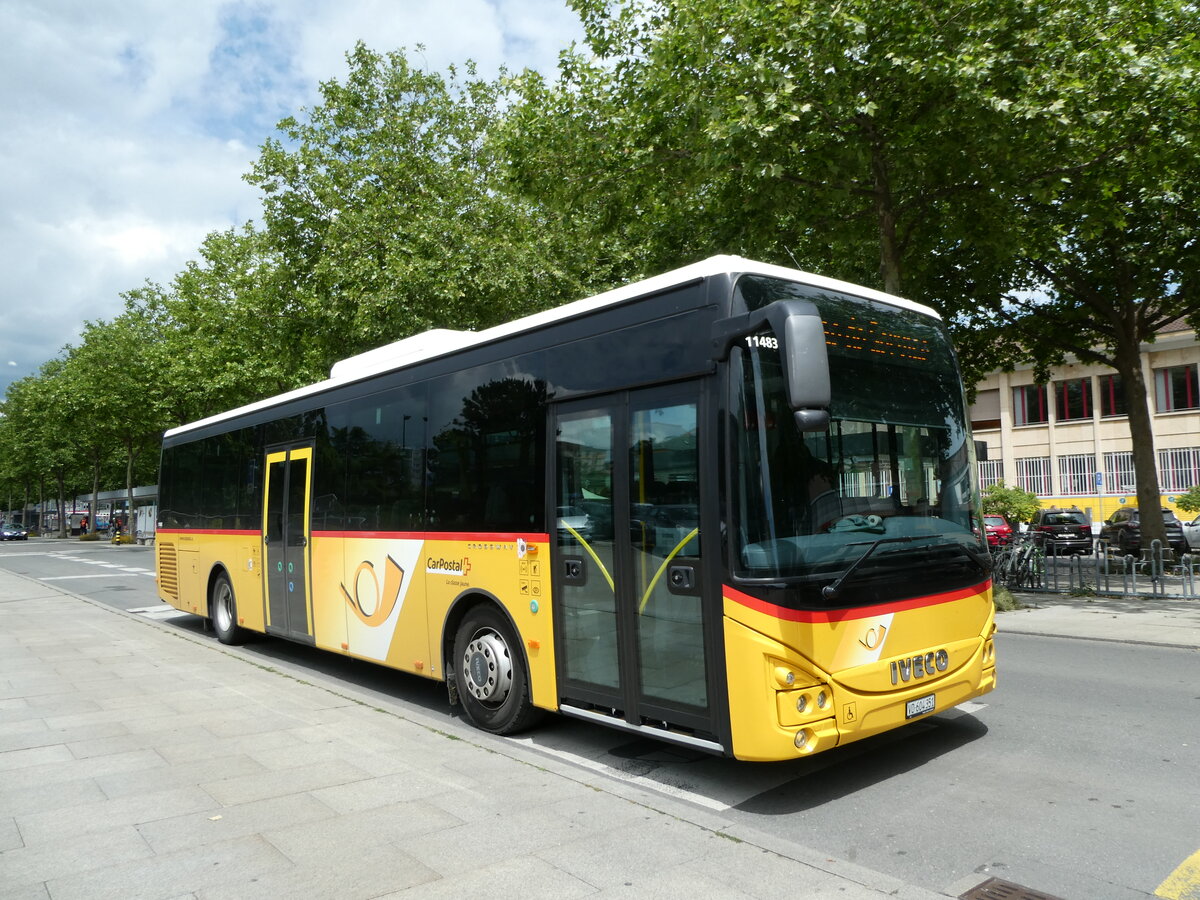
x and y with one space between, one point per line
1020 564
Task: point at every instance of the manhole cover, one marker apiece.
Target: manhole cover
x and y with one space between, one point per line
999 889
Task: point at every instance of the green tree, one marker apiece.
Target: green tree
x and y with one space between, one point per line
1190 501
39 410
113 404
1112 254
225 330
386 213
1014 503
875 142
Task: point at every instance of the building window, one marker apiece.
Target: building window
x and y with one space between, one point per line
1176 388
985 411
1112 396
1077 474
991 471
1029 405
1033 475
1178 470
1073 399
1118 473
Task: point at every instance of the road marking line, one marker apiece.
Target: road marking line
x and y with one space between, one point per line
163 614
640 780
79 577
1184 882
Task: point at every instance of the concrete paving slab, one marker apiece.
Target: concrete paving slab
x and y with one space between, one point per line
1151 620
515 878
33 865
226 823
53 826
334 873
234 862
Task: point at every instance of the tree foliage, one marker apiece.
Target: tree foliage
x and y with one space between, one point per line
1014 503
1189 501
1110 248
387 210
874 142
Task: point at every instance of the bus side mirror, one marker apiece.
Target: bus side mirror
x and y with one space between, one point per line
802 345
798 327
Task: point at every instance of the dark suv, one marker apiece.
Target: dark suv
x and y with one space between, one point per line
1062 530
1124 531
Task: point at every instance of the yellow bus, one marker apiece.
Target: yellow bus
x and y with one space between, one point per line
734 507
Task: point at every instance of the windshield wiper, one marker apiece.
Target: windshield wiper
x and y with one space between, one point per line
830 591
983 560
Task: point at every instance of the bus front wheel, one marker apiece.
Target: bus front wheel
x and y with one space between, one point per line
223 607
492 680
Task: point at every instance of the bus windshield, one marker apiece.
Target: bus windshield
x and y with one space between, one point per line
884 501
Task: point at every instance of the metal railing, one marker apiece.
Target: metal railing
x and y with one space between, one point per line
1156 571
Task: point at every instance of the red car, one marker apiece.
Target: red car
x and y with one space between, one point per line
999 532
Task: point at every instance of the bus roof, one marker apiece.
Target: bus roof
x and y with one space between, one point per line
442 341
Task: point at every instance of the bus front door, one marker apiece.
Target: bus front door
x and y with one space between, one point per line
630 616
287 528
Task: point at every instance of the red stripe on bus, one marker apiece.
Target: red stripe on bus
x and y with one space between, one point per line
226 531
436 536
813 616
382 535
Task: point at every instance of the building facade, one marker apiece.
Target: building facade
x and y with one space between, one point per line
1068 440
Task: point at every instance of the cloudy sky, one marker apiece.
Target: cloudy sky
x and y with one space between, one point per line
126 128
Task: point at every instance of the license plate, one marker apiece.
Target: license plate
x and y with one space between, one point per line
919 707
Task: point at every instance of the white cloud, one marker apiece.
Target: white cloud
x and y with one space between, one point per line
126 128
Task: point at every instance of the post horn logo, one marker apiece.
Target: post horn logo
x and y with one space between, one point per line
372 605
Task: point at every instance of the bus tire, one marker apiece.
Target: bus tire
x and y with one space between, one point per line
490 671
223 607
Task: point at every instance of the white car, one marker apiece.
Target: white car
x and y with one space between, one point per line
1191 534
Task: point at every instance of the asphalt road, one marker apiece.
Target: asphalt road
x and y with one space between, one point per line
1077 777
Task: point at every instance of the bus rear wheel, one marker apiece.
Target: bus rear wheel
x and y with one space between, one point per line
491 676
223 607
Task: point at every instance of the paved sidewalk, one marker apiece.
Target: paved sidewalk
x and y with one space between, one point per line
1169 621
138 761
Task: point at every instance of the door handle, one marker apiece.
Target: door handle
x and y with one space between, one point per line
682 580
574 571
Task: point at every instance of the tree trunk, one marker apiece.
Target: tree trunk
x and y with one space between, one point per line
130 526
61 477
885 216
95 504
1141 433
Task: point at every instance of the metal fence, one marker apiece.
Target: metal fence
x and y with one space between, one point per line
1155 572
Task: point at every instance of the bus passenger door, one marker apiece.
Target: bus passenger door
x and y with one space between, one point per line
630 606
287 529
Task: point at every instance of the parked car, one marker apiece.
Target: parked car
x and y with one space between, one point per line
11 532
1191 534
1062 530
572 519
999 532
1124 531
